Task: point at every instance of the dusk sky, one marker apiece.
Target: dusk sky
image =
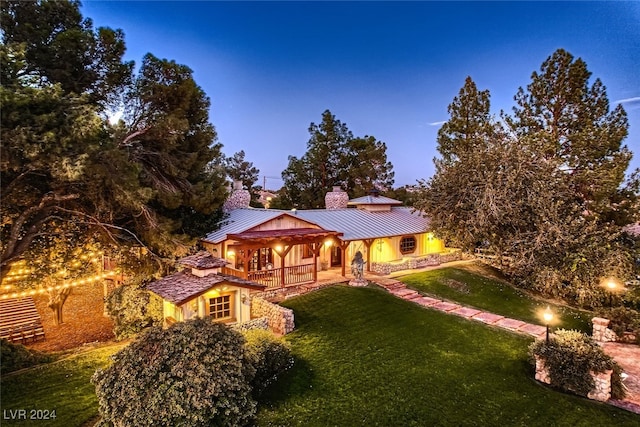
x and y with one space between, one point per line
384 69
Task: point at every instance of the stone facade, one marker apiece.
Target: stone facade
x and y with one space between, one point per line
336 199
385 268
280 319
601 331
601 391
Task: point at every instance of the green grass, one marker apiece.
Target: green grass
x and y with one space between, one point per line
496 296
364 357
63 386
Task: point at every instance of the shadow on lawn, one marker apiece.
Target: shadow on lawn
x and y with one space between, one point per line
296 381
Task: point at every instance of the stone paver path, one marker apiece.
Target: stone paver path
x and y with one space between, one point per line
400 290
628 356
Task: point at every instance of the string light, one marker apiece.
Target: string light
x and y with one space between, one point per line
57 287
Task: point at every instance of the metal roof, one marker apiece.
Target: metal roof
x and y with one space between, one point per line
358 224
355 224
373 200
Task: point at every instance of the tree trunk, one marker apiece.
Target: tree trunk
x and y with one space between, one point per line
56 302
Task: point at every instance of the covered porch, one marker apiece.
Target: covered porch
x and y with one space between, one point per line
253 253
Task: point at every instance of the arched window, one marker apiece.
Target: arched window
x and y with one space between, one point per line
408 245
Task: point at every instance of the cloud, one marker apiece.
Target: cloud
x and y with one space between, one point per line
633 102
437 123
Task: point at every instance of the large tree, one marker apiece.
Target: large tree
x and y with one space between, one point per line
335 157
546 190
66 169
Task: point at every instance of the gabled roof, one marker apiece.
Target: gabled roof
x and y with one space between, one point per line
179 288
243 219
373 200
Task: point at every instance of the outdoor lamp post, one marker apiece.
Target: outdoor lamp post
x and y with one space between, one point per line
548 317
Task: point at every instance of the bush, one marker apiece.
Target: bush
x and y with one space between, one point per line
570 357
270 356
195 373
133 309
17 356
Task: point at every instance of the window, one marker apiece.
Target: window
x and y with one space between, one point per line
307 252
408 245
220 307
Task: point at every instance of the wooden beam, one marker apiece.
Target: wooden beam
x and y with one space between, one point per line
368 243
343 256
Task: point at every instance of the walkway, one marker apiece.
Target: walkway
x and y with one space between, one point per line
627 356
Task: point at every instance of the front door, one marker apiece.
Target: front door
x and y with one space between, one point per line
336 256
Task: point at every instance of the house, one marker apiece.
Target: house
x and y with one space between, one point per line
280 247
200 290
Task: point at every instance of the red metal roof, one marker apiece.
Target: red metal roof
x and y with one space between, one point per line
284 234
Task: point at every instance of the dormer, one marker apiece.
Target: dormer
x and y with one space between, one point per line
203 264
374 202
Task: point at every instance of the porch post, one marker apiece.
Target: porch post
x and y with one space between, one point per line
367 244
343 248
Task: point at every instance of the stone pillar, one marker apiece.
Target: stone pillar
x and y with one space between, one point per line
542 372
601 331
602 389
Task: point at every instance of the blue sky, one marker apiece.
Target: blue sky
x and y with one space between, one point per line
385 69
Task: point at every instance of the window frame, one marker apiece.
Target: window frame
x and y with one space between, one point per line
231 308
402 247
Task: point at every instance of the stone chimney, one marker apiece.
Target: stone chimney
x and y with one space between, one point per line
336 199
239 198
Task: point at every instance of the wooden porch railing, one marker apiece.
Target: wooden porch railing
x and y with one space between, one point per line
273 278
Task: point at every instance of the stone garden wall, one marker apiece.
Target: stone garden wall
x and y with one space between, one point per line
601 390
385 268
279 319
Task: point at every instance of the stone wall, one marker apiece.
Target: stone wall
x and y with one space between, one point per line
385 268
602 380
259 323
601 331
280 319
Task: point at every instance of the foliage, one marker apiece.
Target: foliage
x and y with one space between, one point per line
544 192
570 357
270 355
141 181
195 373
623 319
132 309
16 356
239 169
334 157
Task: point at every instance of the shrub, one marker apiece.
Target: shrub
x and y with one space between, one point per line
570 357
17 356
195 373
270 356
133 309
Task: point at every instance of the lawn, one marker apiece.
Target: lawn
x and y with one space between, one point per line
494 295
364 357
63 386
